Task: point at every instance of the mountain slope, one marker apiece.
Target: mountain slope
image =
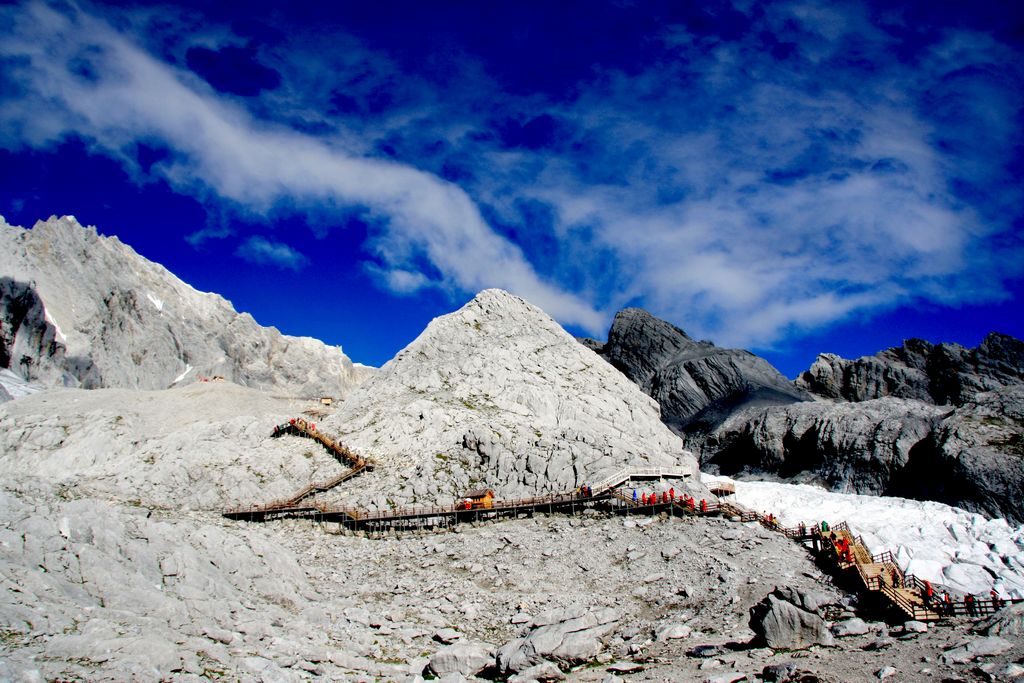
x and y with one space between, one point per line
497 394
78 309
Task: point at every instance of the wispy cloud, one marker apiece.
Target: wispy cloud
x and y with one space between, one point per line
260 250
81 76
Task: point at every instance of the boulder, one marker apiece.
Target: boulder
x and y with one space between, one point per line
672 632
778 673
850 627
781 624
915 627
979 647
465 658
1007 622
447 636
539 673
812 601
565 636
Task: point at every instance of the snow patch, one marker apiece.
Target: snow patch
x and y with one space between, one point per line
155 301
946 545
188 369
56 327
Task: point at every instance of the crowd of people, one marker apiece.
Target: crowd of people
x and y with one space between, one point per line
972 606
665 497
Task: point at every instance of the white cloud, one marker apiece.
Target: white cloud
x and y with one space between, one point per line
260 250
866 221
218 147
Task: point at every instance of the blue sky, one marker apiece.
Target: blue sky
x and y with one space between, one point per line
789 177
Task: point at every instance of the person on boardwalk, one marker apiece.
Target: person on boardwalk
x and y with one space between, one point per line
947 603
895 575
996 602
927 593
969 604
634 496
824 526
703 506
672 494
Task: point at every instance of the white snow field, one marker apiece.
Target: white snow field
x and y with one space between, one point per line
945 545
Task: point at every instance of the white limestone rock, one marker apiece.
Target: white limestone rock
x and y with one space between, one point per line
498 395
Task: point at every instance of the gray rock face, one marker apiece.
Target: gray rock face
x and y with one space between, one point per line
872 425
941 374
1007 622
850 627
781 624
852 447
81 310
696 383
498 395
970 456
973 458
979 647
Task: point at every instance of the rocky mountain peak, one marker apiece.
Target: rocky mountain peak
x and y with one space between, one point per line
497 394
80 309
696 383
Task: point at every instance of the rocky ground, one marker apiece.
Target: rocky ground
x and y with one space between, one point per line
117 566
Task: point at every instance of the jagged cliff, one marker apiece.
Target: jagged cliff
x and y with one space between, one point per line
82 310
497 394
934 373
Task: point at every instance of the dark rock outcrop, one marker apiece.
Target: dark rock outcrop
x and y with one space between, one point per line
696 383
973 458
935 373
850 447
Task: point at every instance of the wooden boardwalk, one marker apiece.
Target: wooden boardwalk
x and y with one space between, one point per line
876 576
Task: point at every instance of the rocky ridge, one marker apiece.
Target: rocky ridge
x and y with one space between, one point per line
930 421
943 374
81 310
498 395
